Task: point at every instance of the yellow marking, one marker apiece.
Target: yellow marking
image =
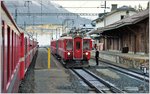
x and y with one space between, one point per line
49 64
21 59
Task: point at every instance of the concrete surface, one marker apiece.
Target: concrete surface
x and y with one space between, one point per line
53 80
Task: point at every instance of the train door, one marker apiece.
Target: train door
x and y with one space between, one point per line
77 49
22 63
25 51
3 57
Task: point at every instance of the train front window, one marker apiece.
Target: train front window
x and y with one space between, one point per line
86 45
69 44
77 45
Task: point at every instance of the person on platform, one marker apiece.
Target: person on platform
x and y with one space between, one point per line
97 56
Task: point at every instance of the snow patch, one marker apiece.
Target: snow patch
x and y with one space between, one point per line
109 73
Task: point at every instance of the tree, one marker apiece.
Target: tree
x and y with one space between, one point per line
135 7
140 8
148 5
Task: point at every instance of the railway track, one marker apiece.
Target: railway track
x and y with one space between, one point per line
134 74
128 72
95 82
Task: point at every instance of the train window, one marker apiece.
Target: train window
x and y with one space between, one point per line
8 52
86 45
25 46
69 45
77 45
3 55
12 50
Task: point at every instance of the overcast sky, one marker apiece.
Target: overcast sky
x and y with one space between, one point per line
96 3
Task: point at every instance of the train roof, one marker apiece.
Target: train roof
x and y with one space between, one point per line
53 40
66 37
87 38
9 16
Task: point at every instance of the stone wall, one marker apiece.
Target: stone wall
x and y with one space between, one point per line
123 60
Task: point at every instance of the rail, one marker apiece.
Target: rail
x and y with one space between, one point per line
95 82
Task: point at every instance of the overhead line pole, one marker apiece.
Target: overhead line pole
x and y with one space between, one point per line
41 11
41 14
104 14
28 5
16 11
105 7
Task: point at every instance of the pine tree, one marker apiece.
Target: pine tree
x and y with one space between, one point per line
135 7
140 7
148 5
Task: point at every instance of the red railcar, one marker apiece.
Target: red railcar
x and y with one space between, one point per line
74 51
14 58
53 47
64 48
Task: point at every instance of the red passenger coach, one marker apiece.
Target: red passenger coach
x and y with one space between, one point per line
16 52
74 51
64 48
53 47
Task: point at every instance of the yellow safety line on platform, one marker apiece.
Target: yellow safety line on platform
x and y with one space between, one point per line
49 64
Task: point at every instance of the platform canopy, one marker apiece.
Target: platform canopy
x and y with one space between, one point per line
126 21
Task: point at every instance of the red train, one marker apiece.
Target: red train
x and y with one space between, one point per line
16 52
74 51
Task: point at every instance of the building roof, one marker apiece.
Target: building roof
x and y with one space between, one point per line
123 8
100 16
126 21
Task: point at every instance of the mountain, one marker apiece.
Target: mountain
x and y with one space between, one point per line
34 6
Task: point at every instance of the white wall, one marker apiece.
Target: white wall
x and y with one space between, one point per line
116 17
57 34
101 24
113 18
44 39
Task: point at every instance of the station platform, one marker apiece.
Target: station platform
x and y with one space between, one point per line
57 79
49 80
126 60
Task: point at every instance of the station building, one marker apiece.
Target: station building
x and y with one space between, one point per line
126 42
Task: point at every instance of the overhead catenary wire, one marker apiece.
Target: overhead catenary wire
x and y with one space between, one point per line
57 14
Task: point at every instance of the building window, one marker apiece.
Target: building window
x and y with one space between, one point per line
127 12
122 16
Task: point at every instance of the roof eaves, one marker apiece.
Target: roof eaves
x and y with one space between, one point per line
121 23
140 19
94 32
115 27
114 11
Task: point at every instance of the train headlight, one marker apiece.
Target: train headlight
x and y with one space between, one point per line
68 53
86 53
